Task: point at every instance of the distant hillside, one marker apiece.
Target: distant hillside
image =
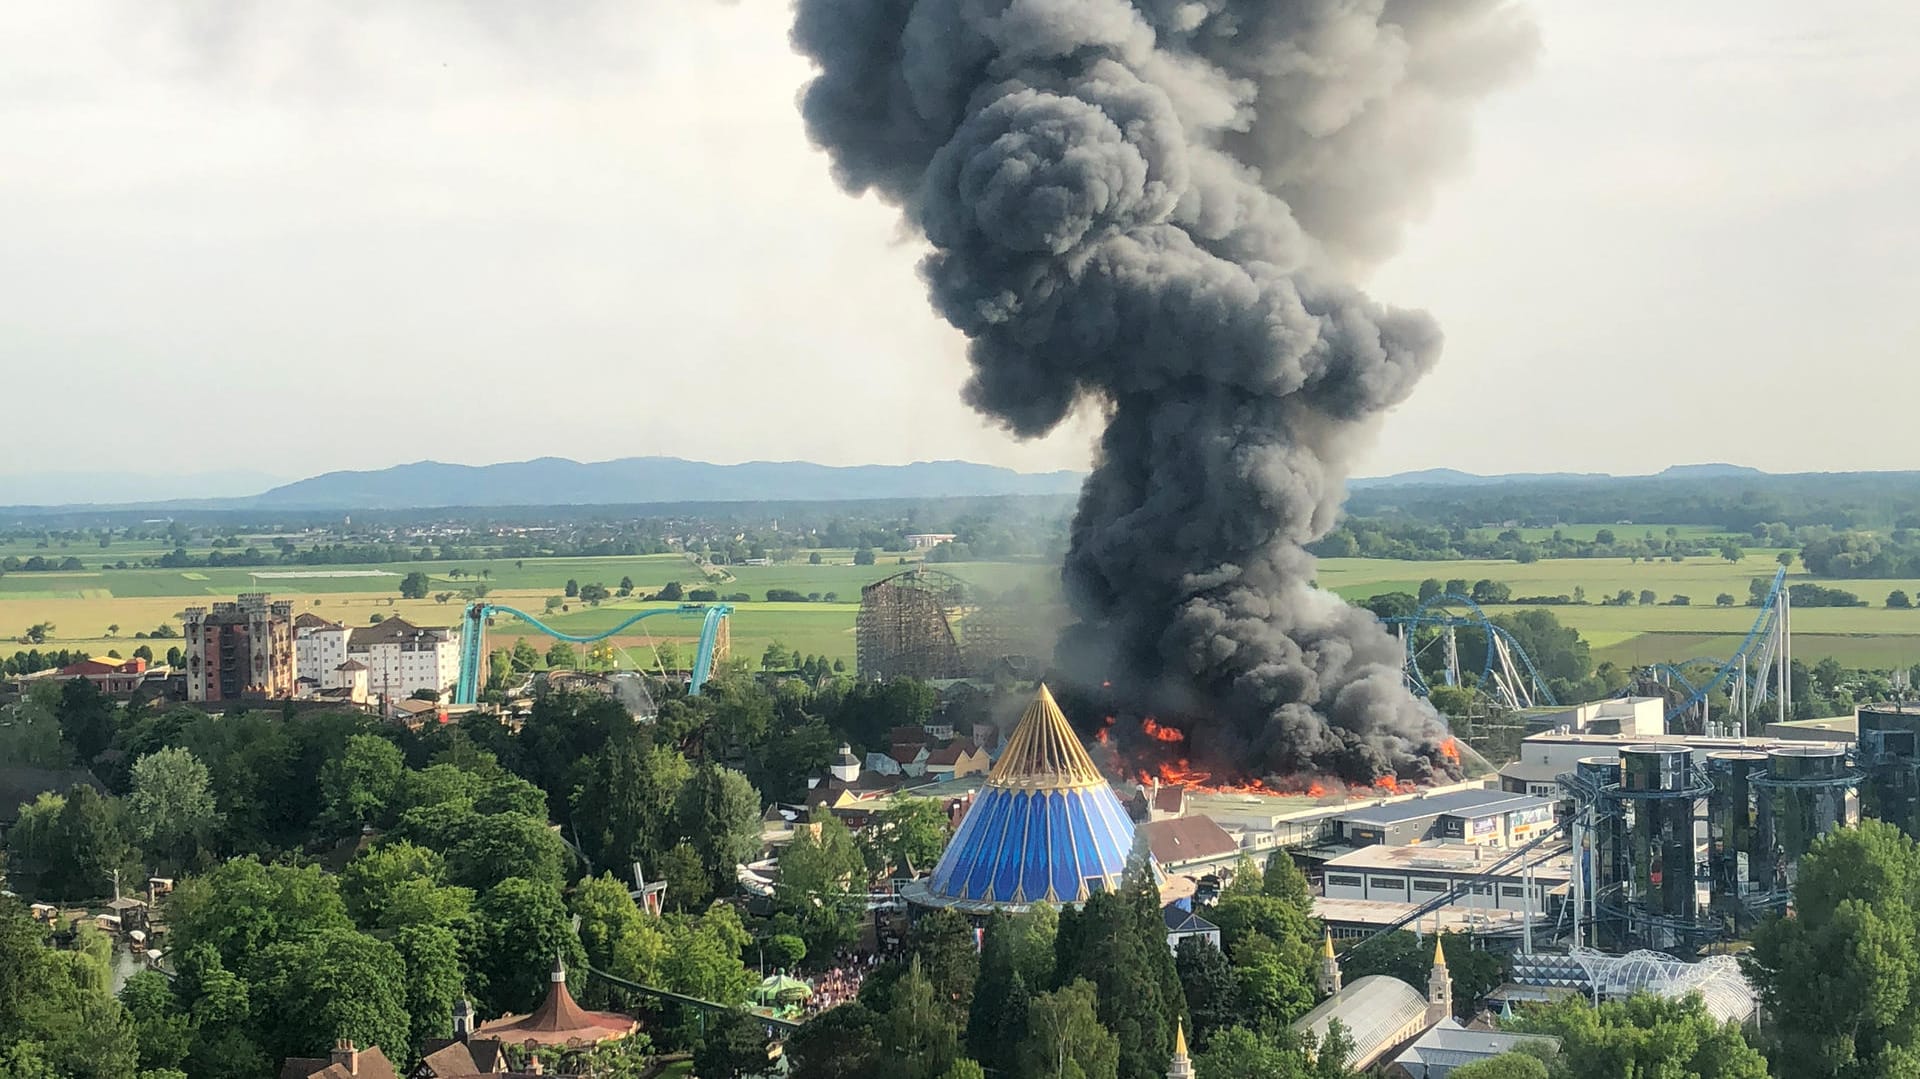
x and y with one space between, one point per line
558 481
1453 477
1708 472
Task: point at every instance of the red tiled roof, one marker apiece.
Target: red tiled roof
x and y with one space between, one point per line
1170 799
908 736
559 1021
949 755
370 1063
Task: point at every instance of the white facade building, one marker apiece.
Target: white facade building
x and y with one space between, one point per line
319 651
402 658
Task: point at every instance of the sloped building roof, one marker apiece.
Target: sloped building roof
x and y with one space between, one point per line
1378 1012
1447 1046
558 1020
1046 827
1188 839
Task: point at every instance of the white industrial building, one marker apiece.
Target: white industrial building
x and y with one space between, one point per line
1417 875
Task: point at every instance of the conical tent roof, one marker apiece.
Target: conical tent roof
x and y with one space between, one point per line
1045 828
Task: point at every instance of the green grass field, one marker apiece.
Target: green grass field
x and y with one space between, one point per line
83 605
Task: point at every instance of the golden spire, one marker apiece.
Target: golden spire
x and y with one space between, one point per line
1326 945
1439 956
1043 752
1179 1038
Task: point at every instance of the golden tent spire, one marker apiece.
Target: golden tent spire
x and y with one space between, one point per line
1043 752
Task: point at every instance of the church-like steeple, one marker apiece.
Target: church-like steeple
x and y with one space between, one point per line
1327 978
1439 986
1180 1067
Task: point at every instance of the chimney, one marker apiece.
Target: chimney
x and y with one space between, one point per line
346 1055
534 1067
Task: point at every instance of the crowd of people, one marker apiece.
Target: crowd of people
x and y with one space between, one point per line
840 983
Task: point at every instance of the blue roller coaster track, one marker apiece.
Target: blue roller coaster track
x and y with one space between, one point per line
473 639
1437 613
1743 675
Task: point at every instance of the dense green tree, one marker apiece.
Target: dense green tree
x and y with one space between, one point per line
562 656
31 738
522 927
1504 1066
1207 981
823 884
526 657
58 1018
1065 1039
719 813
1236 1052
171 805
219 1003
1647 1035
984 1039
86 717
1035 936
1283 880
415 585
1842 976
160 1021
97 843
839 1043
488 847
702 956
623 812
434 979
686 879
944 944
400 884
243 907
1117 940
329 984
357 785
734 1047
863 557
919 1030
907 836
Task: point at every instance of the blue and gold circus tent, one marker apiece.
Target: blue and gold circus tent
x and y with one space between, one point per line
1046 827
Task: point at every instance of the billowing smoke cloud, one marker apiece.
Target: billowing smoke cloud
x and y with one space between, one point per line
1157 208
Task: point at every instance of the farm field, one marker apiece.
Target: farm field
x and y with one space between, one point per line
82 605
1873 636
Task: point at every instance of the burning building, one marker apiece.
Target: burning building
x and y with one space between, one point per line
1158 211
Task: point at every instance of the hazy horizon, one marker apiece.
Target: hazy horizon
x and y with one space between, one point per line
296 240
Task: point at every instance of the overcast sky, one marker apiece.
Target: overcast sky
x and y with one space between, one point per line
301 236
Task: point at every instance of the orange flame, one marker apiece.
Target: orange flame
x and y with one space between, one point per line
1450 750
1101 734
1387 783
1164 734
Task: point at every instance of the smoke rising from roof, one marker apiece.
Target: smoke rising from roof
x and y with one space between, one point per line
1158 209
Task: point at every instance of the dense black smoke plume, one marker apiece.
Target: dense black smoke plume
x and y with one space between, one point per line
1155 206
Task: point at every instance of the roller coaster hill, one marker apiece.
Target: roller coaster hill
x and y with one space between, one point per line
1449 640
714 642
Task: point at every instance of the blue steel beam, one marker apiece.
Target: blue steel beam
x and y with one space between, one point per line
473 640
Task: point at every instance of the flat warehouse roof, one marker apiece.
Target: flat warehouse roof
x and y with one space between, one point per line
1451 859
1473 803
